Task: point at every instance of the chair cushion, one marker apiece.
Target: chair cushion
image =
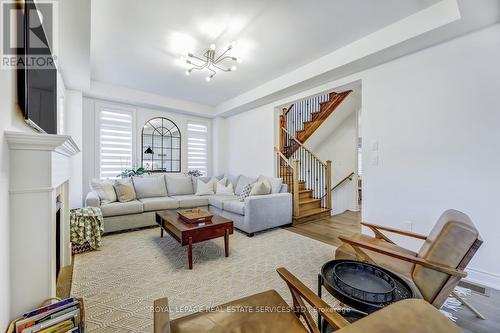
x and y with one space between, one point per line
411 315
229 321
149 187
190 201
159 203
218 200
122 208
447 244
179 185
235 206
346 251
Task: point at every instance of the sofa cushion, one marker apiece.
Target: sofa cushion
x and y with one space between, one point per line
232 179
205 187
242 182
104 190
122 208
222 189
159 203
149 187
191 200
261 188
195 181
179 185
245 193
124 189
218 200
276 183
235 206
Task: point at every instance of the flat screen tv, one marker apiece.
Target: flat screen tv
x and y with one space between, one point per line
37 73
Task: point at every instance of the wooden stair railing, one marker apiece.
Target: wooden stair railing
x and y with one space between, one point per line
304 117
308 179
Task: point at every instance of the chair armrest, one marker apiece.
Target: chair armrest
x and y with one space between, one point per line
92 200
161 316
393 230
405 257
296 286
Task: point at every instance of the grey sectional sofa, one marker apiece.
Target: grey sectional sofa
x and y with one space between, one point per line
254 214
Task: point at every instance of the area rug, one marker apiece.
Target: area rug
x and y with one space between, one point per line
120 282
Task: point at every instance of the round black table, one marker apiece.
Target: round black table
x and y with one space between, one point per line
355 307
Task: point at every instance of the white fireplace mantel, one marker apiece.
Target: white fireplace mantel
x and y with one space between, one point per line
38 177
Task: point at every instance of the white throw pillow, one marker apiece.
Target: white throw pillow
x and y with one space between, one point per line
203 188
261 188
276 183
104 190
224 190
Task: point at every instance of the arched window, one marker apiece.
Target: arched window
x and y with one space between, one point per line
161 146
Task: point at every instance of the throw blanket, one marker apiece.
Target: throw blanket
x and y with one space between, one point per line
86 226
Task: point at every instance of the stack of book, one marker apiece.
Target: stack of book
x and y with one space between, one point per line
61 317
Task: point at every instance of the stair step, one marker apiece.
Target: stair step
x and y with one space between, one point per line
309 203
311 215
305 194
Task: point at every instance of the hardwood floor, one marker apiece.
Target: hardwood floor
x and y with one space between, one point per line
328 229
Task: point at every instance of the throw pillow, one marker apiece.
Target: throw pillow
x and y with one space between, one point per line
224 190
179 185
245 193
203 188
148 187
276 183
242 182
124 190
195 181
261 188
104 190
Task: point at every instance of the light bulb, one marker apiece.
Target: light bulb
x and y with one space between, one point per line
212 46
188 72
208 78
233 68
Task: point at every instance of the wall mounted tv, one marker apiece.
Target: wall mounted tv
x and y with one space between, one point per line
36 73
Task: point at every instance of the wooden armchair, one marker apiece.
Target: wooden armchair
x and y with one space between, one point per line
438 266
267 312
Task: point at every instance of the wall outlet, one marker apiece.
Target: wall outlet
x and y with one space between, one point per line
408 226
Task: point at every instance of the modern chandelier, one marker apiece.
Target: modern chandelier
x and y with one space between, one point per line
212 62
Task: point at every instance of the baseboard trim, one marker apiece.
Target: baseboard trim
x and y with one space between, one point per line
488 279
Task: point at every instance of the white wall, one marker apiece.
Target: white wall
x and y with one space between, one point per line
10 119
340 147
74 119
141 115
250 143
435 118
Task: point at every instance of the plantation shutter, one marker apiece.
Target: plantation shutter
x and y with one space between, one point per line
197 147
115 134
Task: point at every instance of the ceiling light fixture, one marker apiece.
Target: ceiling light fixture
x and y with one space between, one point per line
211 62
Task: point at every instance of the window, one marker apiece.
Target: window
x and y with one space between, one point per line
115 141
197 147
161 146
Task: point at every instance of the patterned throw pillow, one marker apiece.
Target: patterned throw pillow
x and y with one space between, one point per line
245 192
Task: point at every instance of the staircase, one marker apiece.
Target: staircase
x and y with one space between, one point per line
308 178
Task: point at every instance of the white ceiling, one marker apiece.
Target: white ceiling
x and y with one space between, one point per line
137 44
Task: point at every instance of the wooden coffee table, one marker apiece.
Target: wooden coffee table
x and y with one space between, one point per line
188 234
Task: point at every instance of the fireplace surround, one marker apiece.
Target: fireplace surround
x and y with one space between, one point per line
39 188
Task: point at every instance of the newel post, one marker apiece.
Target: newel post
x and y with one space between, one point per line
282 135
329 184
296 193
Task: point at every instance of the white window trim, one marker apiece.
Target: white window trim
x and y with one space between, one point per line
97 132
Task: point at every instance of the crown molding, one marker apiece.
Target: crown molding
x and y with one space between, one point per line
62 144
